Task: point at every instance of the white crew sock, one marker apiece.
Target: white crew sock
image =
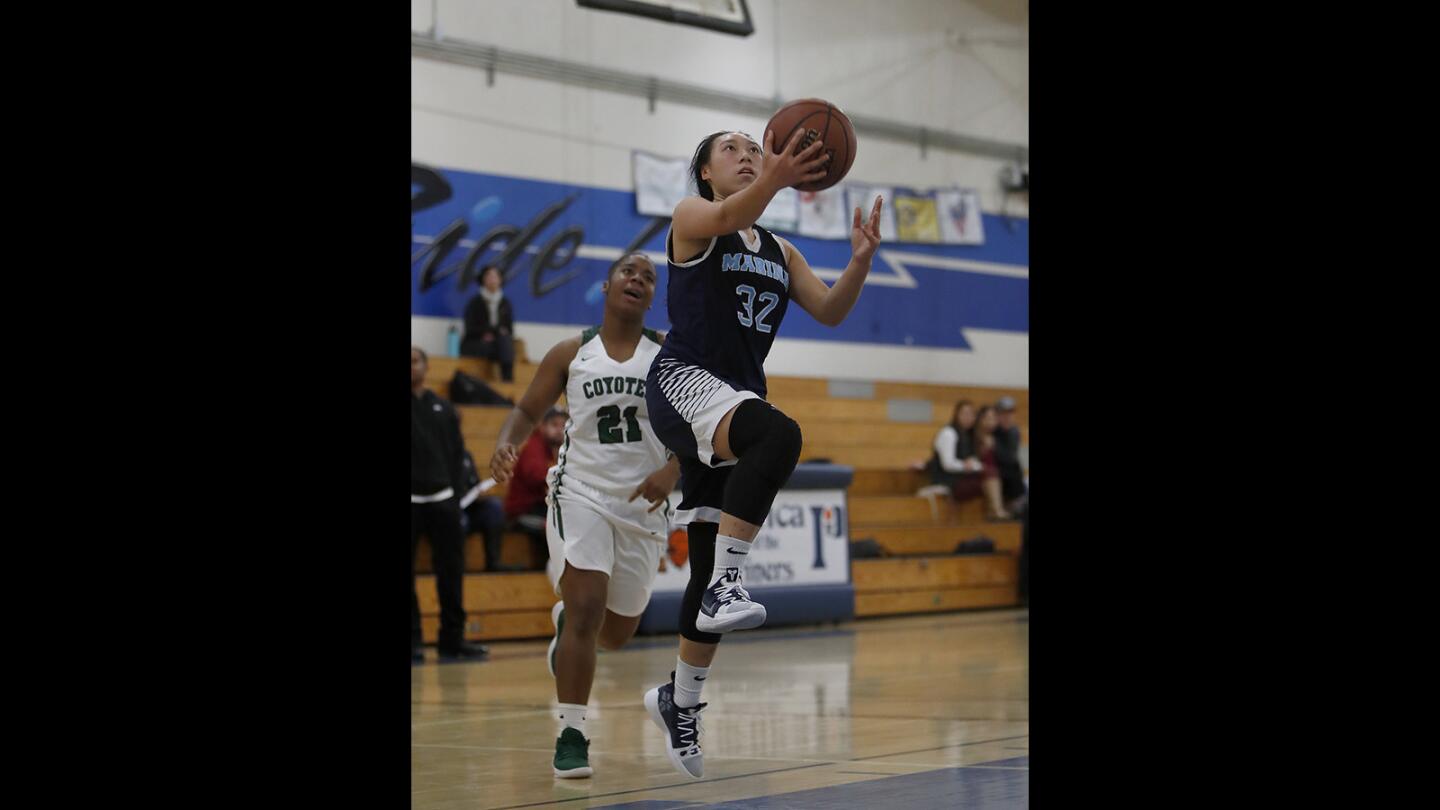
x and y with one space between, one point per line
688 683
730 552
571 715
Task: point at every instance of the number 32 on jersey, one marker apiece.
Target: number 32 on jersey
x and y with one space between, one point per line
748 299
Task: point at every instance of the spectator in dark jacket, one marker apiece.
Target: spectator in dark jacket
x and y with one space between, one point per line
1007 455
436 485
490 324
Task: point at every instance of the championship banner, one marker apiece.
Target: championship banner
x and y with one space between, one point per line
660 183
915 217
959 214
805 540
863 197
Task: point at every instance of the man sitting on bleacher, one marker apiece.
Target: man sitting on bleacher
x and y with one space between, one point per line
1007 456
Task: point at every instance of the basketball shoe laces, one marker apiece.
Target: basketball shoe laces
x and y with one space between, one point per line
687 724
728 588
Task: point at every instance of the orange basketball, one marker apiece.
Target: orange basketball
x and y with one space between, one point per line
819 119
678 549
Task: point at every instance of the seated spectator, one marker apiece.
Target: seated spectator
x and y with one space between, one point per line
525 499
983 443
485 515
954 463
490 324
1007 456
967 465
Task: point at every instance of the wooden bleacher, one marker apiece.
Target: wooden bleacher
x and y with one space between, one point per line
920 573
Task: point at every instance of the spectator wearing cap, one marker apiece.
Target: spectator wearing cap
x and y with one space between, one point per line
525 499
1007 456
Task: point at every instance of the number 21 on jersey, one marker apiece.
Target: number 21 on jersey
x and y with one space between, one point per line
609 424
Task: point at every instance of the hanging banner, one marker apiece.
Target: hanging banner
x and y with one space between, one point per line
823 214
660 183
959 213
915 217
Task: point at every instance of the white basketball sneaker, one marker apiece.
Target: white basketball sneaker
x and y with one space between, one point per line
681 727
726 605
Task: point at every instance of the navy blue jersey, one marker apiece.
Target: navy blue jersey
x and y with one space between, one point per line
726 305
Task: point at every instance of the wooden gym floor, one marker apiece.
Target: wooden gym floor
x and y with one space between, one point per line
912 712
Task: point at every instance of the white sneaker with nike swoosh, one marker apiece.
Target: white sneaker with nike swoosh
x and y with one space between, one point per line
726 605
681 726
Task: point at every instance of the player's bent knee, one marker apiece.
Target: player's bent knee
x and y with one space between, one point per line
788 440
765 435
765 466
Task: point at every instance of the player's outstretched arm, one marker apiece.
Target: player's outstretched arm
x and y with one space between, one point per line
830 305
543 391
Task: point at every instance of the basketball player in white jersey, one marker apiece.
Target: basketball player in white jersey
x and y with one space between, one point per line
605 548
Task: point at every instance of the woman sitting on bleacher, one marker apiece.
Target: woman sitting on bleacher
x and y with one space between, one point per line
490 324
964 457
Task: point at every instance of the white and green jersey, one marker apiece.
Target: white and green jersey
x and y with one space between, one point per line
609 447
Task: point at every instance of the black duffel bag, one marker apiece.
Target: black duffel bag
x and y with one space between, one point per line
468 390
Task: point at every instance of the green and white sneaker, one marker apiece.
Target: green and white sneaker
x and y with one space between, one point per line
557 618
572 755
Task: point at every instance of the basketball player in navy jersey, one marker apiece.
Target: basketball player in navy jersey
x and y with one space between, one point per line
730 285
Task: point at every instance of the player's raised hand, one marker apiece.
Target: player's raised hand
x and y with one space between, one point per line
864 239
791 166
